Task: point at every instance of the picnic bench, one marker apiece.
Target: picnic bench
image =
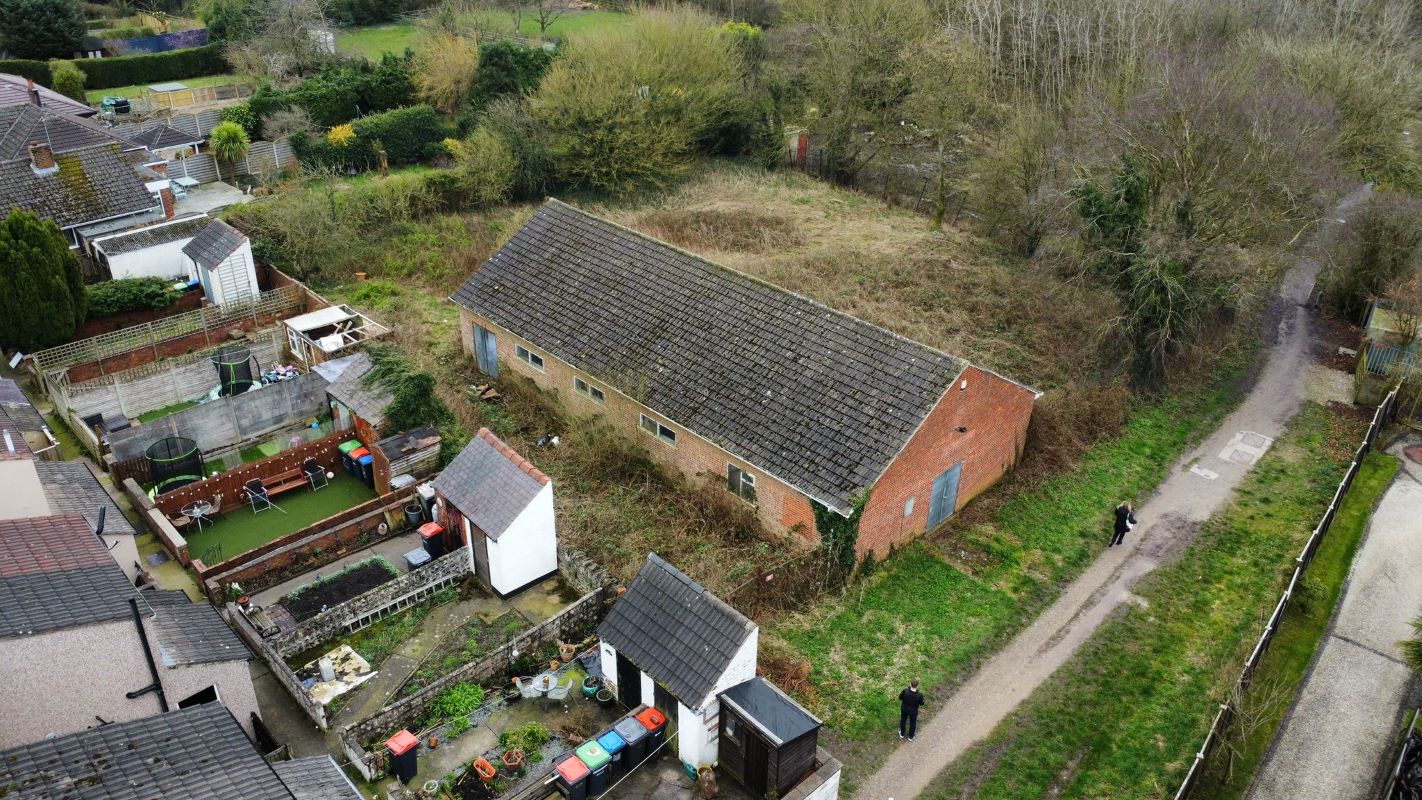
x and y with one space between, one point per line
284 481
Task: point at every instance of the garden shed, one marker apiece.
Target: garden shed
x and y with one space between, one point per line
669 643
502 508
220 258
155 251
354 402
767 740
329 332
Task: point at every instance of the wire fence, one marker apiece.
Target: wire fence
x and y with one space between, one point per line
1405 761
1227 711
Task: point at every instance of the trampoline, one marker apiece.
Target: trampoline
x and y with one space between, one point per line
234 370
173 463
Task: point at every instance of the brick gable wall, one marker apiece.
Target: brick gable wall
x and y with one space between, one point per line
995 412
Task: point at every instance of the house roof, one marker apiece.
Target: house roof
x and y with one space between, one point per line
162 137
188 753
91 184
194 633
320 318
15 89
152 236
817 398
367 401
72 489
214 244
55 573
25 123
15 405
490 484
13 446
316 778
675 631
772 711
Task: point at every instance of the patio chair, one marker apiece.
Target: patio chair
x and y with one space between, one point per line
559 694
257 496
526 689
180 522
315 473
216 504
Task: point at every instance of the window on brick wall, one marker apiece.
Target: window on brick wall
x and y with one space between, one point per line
658 430
528 357
740 482
586 389
908 508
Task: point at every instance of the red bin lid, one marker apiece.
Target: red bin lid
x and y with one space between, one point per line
431 529
401 742
652 719
358 452
572 769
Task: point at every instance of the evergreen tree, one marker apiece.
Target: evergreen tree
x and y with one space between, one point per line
42 295
41 29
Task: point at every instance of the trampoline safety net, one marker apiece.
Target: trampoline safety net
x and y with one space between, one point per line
234 370
174 462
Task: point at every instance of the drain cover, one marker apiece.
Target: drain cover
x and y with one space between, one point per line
155 559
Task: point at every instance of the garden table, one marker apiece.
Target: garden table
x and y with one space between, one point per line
196 511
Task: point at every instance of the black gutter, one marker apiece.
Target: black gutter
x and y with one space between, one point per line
157 685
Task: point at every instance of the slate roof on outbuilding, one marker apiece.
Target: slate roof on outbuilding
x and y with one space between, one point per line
162 137
194 633
55 573
197 752
214 244
676 631
71 488
153 235
316 778
490 484
777 716
817 398
367 401
90 185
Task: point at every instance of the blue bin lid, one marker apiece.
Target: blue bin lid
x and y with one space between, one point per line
367 459
630 730
611 742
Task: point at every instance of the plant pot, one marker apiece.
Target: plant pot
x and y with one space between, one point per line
554 665
512 758
484 770
604 696
590 685
244 601
566 652
434 742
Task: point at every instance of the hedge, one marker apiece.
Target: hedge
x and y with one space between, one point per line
340 94
407 135
174 65
130 294
37 71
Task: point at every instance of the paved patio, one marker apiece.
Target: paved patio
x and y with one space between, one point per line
210 197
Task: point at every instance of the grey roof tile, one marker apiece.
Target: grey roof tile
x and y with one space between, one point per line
214 244
194 633
773 711
351 388
55 573
489 483
675 631
14 90
160 137
90 185
24 124
197 752
812 396
153 235
72 489
316 778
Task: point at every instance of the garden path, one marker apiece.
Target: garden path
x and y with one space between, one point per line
1200 485
1336 741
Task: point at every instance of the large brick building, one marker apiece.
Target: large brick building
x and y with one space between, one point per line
785 401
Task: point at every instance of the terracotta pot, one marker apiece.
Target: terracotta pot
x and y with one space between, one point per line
434 742
567 651
554 665
244 601
512 758
484 770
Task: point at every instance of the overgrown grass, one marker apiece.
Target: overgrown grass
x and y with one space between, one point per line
1279 673
1124 716
935 609
376 643
375 40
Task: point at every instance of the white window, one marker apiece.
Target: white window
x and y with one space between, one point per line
908 508
658 430
528 357
740 482
586 389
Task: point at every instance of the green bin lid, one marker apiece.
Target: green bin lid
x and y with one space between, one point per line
346 447
593 755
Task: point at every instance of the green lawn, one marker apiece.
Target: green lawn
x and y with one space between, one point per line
923 617
138 90
241 530
159 413
1122 719
1277 677
374 40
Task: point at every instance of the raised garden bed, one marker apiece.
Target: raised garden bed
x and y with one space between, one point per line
307 601
459 648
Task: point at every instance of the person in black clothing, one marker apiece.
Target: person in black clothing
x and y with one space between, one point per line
909 701
1124 520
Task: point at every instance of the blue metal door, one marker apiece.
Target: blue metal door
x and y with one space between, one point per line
945 495
486 351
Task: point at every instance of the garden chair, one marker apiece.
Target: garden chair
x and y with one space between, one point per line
216 504
257 496
559 694
315 473
180 522
526 689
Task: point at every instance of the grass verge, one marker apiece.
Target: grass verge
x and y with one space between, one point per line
1276 679
1123 717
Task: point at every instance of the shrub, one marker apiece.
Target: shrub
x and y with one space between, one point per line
406 135
1383 245
229 141
41 28
175 65
341 136
456 702
486 167
242 115
286 122
42 298
130 294
140 32
68 80
507 68
529 738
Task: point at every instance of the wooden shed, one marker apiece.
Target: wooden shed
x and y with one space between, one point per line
768 741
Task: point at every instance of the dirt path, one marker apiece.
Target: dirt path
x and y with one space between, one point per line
1200 484
1336 741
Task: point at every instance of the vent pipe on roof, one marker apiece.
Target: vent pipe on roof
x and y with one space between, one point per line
157 684
9 443
99 529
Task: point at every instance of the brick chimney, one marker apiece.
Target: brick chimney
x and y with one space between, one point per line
34 93
41 157
166 193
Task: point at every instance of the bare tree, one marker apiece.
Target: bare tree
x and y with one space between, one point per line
548 12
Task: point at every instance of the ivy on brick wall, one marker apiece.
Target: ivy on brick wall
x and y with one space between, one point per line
838 537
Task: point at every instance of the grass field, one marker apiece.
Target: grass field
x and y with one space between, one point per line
1123 718
1279 673
374 40
240 530
139 89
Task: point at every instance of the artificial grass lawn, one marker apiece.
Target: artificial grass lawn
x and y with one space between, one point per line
375 40
1282 668
922 617
139 89
1122 719
159 413
240 530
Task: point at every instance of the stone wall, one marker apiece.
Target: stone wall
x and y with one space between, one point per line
581 572
275 663
822 784
358 612
153 519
